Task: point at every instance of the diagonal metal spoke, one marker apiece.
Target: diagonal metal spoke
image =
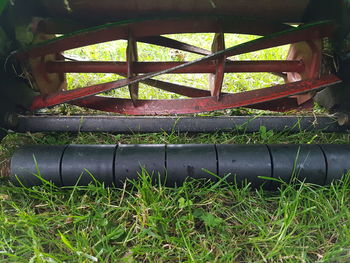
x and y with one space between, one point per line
306 32
175 44
216 80
145 28
178 89
132 57
117 67
196 105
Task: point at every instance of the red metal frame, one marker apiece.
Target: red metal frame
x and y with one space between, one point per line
149 28
215 63
131 59
149 67
180 106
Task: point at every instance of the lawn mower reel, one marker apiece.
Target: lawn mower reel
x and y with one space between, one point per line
36 35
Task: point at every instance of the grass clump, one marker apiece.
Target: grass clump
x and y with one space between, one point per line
196 222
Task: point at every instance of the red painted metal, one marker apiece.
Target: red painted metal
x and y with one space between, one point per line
168 107
307 32
148 67
178 89
175 88
316 58
43 101
148 28
216 80
51 26
174 44
278 98
280 105
283 105
304 33
310 52
132 57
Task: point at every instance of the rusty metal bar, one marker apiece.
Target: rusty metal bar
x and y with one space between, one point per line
132 57
146 28
216 80
148 67
196 105
280 105
121 124
176 88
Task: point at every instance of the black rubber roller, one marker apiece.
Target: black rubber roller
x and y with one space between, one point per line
173 164
131 159
190 161
245 163
31 161
81 162
305 162
338 161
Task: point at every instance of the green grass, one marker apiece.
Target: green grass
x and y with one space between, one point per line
197 222
116 50
193 223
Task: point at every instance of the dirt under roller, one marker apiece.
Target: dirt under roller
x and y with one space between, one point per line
173 164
